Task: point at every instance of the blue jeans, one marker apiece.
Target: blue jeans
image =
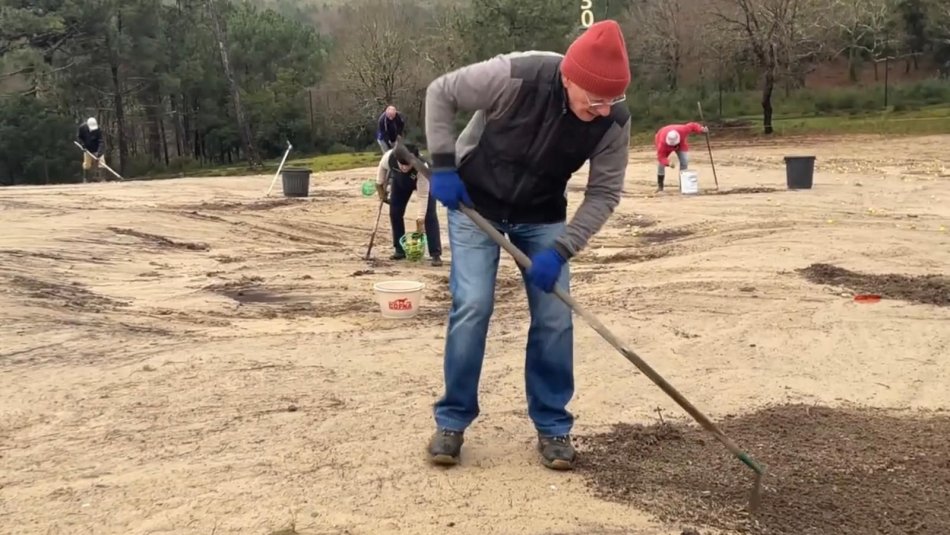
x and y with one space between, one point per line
684 163
549 355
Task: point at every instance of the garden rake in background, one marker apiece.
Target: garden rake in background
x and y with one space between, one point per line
279 168
708 146
99 160
372 237
525 262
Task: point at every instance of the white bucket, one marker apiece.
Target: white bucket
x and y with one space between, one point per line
399 299
689 182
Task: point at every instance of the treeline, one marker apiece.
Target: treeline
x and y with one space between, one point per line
177 84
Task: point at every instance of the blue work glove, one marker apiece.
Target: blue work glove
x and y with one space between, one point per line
545 269
447 187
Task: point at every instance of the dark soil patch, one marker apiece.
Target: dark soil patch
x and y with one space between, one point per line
330 194
245 290
508 287
225 259
374 262
433 315
744 190
632 256
438 295
437 278
584 276
299 253
663 235
318 306
55 257
629 221
437 290
70 296
926 289
160 241
203 217
216 205
831 471
257 300
234 206
267 204
256 295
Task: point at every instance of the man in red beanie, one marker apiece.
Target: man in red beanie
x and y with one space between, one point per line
538 116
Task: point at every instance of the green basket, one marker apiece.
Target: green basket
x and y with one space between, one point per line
369 188
414 244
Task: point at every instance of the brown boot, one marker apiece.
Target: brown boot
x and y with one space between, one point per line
557 453
445 447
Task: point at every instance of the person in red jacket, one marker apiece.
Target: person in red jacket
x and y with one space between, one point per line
672 138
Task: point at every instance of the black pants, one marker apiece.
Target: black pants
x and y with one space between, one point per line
401 188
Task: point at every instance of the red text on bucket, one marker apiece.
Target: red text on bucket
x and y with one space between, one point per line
400 304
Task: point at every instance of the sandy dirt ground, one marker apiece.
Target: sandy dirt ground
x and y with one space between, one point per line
185 356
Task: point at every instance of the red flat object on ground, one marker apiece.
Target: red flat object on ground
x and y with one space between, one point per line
867 298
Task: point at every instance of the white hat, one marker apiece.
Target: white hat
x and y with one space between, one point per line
672 138
92 124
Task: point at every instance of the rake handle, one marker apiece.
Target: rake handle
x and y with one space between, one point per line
708 145
99 160
372 237
525 262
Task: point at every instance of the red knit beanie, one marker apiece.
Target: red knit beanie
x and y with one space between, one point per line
597 60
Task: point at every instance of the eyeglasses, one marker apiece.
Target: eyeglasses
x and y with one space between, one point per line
594 104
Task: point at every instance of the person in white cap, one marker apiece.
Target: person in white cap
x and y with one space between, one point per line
90 137
672 138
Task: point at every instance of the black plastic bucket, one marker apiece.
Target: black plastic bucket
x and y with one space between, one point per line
799 171
296 182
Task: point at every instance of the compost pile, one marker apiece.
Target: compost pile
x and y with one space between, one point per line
926 289
831 471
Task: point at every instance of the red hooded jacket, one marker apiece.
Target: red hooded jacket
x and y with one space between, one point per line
663 150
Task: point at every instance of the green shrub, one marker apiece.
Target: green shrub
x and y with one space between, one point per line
339 148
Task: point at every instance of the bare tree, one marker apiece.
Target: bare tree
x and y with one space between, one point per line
941 21
375 47
386 53
942 16
865 26
253 158
784 37
719 58
113 40
441 47
660 37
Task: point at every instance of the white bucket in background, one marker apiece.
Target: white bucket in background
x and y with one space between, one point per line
689 182
399 299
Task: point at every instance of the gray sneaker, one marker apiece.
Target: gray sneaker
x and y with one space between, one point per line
445 447
557 453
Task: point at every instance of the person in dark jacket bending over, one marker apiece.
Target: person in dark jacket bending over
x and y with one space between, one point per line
395 182
389 128
538 117
90 137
